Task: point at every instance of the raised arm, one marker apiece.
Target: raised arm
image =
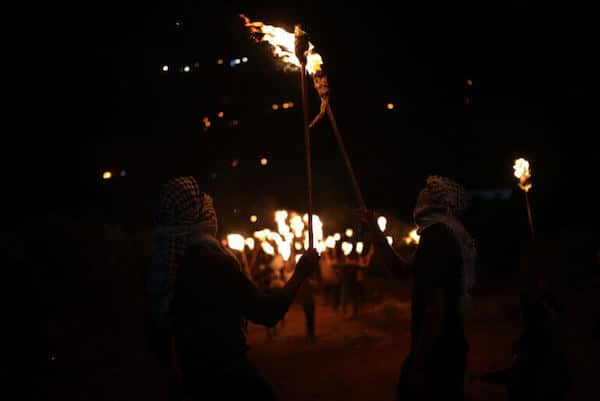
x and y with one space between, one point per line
267 307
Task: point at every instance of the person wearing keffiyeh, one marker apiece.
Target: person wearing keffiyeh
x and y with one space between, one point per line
443 273
203 299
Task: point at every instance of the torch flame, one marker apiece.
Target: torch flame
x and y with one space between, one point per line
523 173
346 248
236 242
283 43
412 237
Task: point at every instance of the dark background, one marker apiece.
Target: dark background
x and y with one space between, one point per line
105 104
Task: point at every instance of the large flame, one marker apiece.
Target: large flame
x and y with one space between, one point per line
283 44
523 173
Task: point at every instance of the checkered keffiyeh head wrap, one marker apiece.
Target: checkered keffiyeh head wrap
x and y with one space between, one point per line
441 201
441 193
180 210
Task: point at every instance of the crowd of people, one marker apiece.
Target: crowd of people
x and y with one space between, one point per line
338 283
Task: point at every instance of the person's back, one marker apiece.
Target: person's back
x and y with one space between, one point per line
208 313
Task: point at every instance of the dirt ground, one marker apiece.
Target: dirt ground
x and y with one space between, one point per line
104 357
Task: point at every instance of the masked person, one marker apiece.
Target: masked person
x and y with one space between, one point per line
212 300
443 272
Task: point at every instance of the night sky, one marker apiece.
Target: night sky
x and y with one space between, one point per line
112 107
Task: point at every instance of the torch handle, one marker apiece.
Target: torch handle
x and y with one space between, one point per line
529 215
340 141
308 156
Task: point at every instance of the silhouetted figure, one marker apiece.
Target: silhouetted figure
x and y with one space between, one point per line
306 298
212 300
540 370
443 270
330 278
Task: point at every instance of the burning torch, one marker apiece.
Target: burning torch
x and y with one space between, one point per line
297 50
522 172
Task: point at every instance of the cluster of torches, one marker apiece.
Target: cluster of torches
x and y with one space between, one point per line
291 237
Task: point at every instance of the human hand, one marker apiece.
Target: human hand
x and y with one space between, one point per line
308 263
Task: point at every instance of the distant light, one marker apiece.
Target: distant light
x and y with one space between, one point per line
291 104
359 247
253 218
349 232
337 236
390 106
220 114
285 105
234 123
264 161
206 122
213 176
235 163
469 82
298 246
245 59
123 173
382 223
165 68
275 106
177 23
346 248
186 68
224 242
236 210
197 64
237 61
220 61
107 175
390 240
